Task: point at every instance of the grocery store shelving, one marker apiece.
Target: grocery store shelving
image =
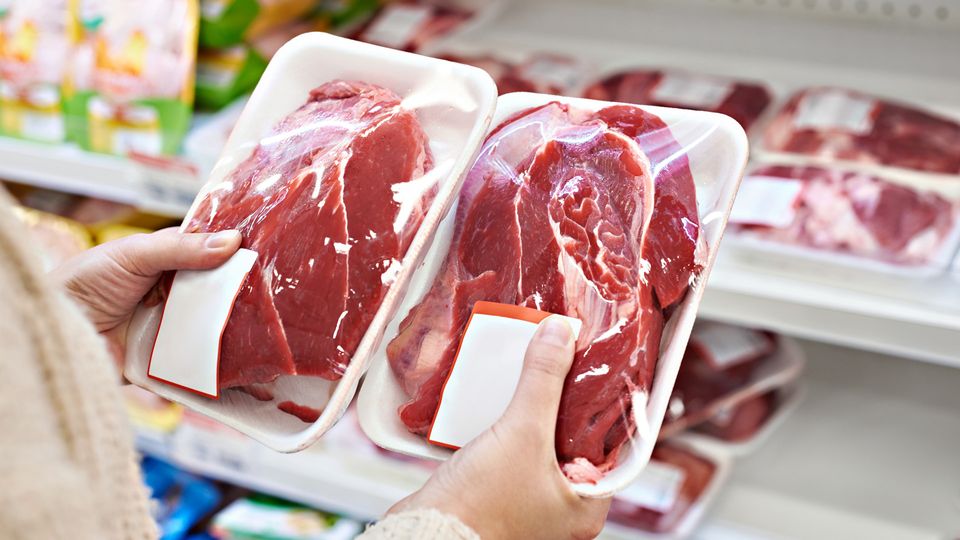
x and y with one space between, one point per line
68 168
870 452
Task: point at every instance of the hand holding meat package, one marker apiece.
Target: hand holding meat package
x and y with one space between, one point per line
581 208
335 176
731 382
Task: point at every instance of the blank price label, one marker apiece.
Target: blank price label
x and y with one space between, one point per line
835 110
486 371
656 488
766 200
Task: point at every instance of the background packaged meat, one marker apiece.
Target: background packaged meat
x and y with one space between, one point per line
316 147
743 428
57 238
411 24
743 101
705 142
537 72
848 218
703 389
673 492
831 124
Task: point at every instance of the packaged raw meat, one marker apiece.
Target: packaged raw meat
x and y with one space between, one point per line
129 87
744 101
741 429
587 209
411 24
34 49
830 124
754 363
336 185
847 217
540 72
672 493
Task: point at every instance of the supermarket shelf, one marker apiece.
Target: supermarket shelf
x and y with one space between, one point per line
918 319
68 168
870 453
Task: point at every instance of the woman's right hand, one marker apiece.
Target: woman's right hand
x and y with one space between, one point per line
507 482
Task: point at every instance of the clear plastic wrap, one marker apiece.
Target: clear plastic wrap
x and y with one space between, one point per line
672 494
833 124
336 175
855 219
608 213
744 101
706 389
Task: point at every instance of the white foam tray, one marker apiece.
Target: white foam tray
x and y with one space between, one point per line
454 104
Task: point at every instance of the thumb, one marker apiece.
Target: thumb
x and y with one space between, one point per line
169 249
545 367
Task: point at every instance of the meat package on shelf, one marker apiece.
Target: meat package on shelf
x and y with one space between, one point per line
672 493
744 101
850 218
833 124
732 382
545 73
410 25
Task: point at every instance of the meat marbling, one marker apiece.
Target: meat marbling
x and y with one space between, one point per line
563 212
317 199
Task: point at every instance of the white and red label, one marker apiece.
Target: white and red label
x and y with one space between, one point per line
486 371
835 110
766 200
186 353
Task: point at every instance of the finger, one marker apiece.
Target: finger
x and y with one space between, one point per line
545 367
168 249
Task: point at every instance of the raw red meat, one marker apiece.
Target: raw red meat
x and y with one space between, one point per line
562 213
702 384
698 471
744 420
503 72
862 215
831 123
743 101
411 24
317 201
541 73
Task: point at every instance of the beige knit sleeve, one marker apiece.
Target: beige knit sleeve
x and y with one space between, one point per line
68 465
427 524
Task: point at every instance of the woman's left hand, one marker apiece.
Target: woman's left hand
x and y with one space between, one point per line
109 280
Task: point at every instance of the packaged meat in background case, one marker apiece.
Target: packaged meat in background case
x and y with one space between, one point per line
848 218
833 124
744 101
741 429
672 493
606 213
545 73
724 366
411 24
336 174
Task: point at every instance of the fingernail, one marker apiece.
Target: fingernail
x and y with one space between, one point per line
555 331
222 239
